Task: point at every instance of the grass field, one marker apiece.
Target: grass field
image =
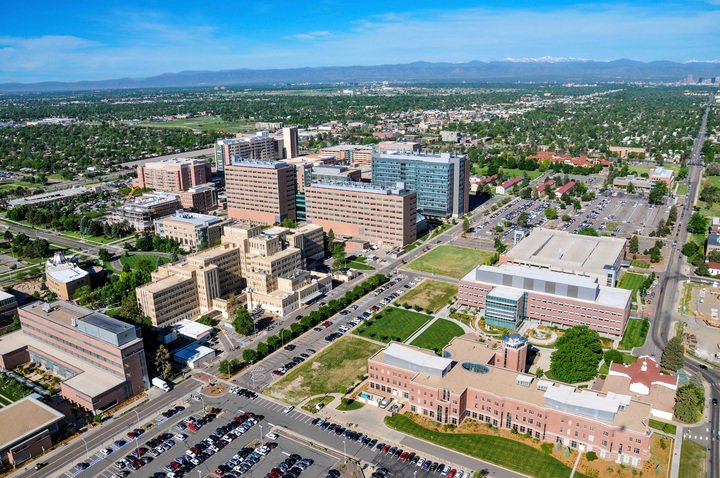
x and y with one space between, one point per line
627 360
499 450
450 261
635 334
12 186
713 180
631 281
348 404
681 189
95 239
392 324
431 295
359 263
132 261
668 428
332 370
438 335
209 123
642 265
692 460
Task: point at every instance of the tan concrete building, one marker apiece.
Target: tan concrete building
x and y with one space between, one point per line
192 231
27 431
260 146
63 277
263 267
353 154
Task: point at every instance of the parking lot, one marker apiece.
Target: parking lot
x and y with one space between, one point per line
263 375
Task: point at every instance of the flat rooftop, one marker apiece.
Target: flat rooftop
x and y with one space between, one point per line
64 313
368 188
192 218
46 197
179 161
563 251
442 158
148 200
66 272
24 418
92 381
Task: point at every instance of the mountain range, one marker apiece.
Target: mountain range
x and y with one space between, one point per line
509 70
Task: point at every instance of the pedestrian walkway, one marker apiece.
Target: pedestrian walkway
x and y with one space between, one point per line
677 447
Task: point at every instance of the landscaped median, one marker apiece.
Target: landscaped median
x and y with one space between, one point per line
314 318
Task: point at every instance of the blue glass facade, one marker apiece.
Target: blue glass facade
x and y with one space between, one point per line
439 182
504 312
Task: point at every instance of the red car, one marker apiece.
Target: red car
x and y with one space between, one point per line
385 448
327 323
451 473
192 426
403 455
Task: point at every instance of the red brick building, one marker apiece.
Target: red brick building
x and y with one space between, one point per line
260 191
173 175
470 382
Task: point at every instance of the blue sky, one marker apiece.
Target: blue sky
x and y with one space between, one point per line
78 39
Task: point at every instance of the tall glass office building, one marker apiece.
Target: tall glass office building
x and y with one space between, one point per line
442 182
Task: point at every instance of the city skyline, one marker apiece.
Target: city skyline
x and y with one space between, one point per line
90 42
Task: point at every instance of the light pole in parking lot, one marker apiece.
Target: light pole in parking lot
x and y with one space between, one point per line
87 452
261 435
137 415
344 451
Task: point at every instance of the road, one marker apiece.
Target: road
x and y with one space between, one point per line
74 452
669 286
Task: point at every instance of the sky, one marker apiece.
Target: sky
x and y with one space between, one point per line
44 40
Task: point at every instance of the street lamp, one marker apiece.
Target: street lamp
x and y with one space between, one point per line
87 452
137 415
261 435
344 451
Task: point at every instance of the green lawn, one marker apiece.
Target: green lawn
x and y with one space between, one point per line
713 180
635 334
681 189
642 265
95 239
511 172
359 263
450 261
631 281
332 370
348 404
431 295
209 123
438 335
692 460
392 324
12 186
668 428
499 450
132 261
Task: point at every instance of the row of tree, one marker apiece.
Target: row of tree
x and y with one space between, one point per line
313 319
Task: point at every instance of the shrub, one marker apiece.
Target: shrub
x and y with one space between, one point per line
591 456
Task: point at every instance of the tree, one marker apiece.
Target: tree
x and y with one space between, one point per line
577 355
162 361
630 188
551 213
672 215
714 256
499 246
689 402
104 255
249 355
588 231
129 308
522 219
339 257
658 192
634 245
566 217
243 322
465 224
697 224
673 355
329 242
690 249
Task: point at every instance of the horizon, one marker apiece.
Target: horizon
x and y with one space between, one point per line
90 42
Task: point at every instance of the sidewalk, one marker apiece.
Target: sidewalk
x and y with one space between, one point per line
675 463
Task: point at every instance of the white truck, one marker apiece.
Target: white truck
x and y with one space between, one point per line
161 384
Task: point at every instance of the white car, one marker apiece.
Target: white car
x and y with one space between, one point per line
106 451
272 436
288 409
181 436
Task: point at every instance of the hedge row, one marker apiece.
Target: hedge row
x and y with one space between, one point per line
313 319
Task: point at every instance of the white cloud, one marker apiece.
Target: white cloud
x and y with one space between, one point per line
311 36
